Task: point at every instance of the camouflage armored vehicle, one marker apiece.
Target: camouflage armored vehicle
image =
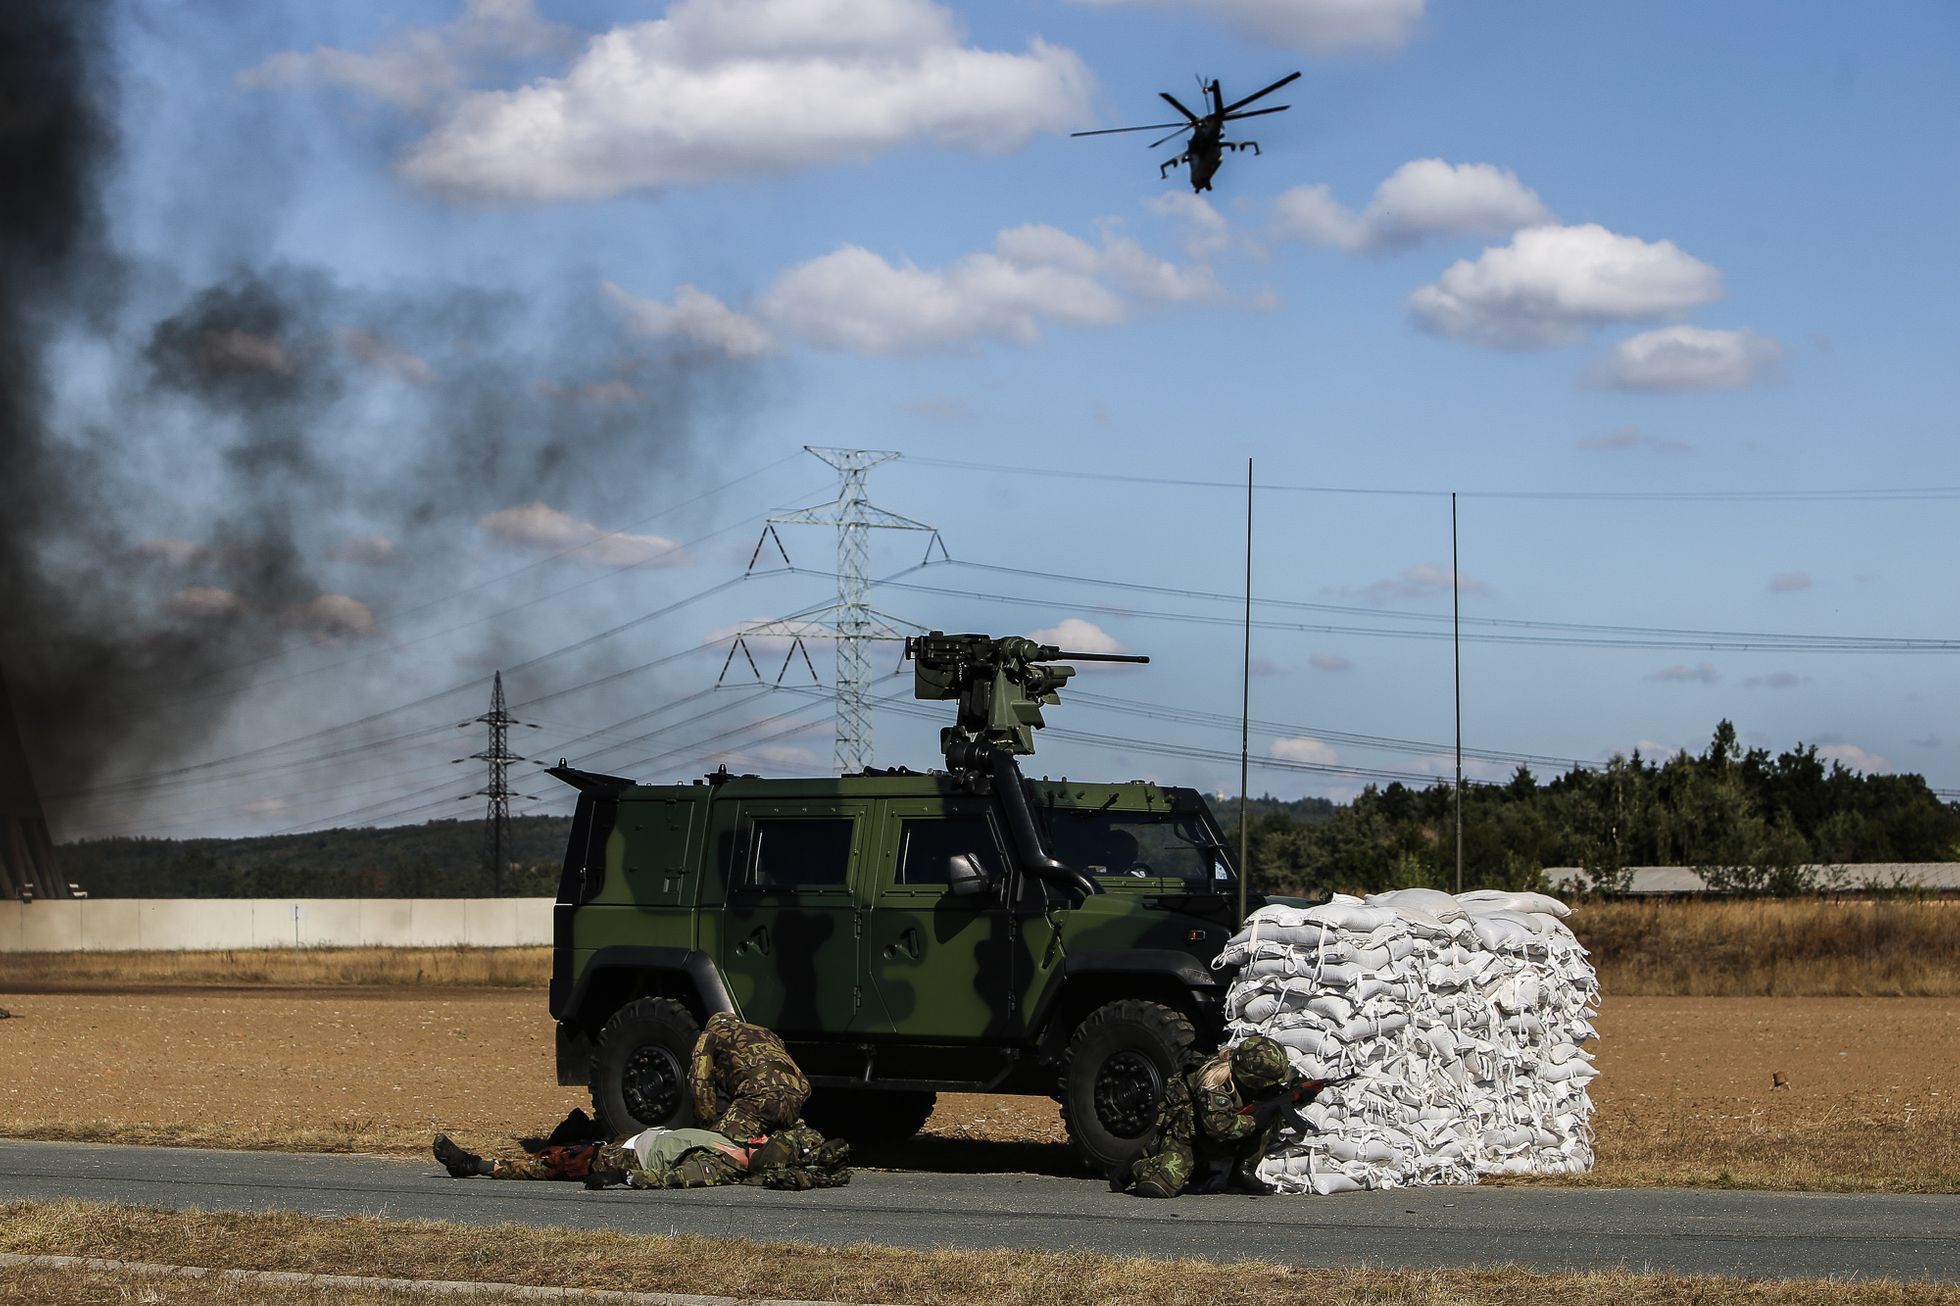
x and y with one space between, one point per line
907 933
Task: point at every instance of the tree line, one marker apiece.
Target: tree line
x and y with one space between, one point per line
1746 820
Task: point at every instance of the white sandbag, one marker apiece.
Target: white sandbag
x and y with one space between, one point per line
1432 902
1482 900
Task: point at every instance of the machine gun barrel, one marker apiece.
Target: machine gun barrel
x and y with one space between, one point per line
1058 655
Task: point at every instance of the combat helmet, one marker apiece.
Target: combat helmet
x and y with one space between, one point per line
1259 1064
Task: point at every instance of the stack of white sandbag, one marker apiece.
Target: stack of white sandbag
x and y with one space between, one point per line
1456 1022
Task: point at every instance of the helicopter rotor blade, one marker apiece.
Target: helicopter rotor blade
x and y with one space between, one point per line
1254 113
1174 103
1147 127
1217 99
1240 104
1179 132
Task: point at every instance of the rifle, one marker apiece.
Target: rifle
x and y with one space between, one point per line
1290 1095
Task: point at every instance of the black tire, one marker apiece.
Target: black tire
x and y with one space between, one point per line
640 1065
869 1115
1113 1076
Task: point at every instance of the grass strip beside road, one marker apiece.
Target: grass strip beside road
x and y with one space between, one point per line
364 1245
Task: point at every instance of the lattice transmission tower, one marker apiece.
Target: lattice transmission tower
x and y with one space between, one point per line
497 756
851 621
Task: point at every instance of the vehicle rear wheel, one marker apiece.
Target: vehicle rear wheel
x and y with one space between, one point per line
1113 1076
869 1115
640 1065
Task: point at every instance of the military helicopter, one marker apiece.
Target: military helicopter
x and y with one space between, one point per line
1206 149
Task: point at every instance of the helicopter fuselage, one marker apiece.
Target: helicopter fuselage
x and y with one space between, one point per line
1204 154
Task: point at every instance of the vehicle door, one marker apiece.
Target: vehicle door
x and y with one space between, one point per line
940 963
791 944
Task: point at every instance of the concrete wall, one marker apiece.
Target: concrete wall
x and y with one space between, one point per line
178 924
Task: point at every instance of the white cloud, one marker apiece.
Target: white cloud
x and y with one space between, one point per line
1550 284
203 603
694 316
1075 635
718 89
1312 214
423 66
1853 758
178 553
1421 199
540 528
1421 581
1684 357
367 550
1305 748
1206 230
382 356
784 755
1330 662
600 394
1313 26
1631 437
853 299
1776 680
335 618
1701 673
1789 582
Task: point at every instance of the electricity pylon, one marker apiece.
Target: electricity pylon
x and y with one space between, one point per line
498 757
851 621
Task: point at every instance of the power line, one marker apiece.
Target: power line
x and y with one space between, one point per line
1878 495
1717 641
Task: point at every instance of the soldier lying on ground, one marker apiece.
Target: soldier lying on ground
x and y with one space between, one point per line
1216 1121
743 1081
797 1157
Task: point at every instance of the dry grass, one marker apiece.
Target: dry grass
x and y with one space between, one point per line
1774 947
364 1245
26 972
1673 948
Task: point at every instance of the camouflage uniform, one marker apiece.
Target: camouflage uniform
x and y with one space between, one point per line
749 1069
1204 1127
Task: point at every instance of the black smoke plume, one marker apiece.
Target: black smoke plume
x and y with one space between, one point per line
162 546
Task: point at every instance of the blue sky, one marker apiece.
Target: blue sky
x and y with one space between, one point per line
1550 257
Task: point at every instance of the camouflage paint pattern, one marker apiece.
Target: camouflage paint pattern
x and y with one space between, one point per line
743 1081
1202 1124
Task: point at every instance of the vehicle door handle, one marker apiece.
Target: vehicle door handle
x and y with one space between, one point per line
908 942
758 941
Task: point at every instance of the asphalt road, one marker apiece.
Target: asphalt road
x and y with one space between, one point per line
1759 1235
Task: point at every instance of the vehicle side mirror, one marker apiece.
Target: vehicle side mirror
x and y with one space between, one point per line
964 878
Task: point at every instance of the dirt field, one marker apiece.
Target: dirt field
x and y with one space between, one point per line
1685 1095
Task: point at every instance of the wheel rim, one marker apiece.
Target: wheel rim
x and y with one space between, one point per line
1128 1091
651 1084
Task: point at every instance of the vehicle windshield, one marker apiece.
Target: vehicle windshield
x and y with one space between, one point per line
1150 850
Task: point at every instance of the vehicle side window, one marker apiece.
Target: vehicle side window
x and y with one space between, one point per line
928 844
799 853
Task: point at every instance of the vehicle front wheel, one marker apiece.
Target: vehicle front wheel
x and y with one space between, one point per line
639 1067
1113 1076
869 1115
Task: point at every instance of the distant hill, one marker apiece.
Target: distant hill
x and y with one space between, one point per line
441 859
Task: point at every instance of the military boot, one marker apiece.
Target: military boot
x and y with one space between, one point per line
1119 1176
1245 1179
460 1164
606 1178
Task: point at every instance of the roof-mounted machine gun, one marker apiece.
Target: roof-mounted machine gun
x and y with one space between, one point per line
1001 685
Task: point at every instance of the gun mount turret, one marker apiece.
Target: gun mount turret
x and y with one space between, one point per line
1001 684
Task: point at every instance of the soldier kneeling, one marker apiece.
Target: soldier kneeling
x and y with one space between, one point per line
743 1081
1216 1122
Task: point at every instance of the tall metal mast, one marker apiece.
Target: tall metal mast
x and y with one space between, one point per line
498 757
852 622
